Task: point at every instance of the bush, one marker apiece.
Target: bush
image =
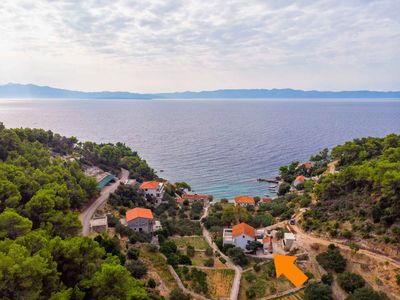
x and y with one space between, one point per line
133 253
398 279
112 220
283 188
151 283
209 262
223 260
199 281
347 234
184 260
249 276
209 251
332 259
256 268
251 293
318 291
350 281
237 255
366 293
168 247
190 251
178 294
152 248
327 278
137 268
172 259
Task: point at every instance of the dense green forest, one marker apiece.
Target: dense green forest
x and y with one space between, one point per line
41 188
363 196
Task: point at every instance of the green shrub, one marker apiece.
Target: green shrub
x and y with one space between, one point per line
332 259
209 262
318 291
350 281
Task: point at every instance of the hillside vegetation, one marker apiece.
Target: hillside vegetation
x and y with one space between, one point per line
363 198
41 187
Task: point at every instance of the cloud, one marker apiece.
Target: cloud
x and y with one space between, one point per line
215 43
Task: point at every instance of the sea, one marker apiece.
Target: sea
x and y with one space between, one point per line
220 146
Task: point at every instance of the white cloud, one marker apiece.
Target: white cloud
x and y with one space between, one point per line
157 45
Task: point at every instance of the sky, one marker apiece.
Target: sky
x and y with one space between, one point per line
179 45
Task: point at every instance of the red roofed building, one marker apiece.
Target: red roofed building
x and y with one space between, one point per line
307 165
140 219
239 235
244 201
154 189
192 198
266 200
299 180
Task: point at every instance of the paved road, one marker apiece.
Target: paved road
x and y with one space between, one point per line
87 214
238 270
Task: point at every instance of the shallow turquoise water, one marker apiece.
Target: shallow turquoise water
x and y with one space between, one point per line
219 147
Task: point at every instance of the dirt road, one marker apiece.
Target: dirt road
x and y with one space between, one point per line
87 214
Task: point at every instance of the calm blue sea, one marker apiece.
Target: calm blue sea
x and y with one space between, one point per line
219 147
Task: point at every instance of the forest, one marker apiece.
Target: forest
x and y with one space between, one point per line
365 191
42 188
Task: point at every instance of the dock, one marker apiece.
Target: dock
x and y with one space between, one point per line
270 180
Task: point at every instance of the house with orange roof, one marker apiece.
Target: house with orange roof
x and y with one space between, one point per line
266 200
299 180
140 219
153 189
244 201
239 235
307 165
193 198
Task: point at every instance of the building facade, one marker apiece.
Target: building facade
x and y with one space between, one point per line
140 220
239 235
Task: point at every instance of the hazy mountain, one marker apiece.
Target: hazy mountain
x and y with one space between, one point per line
12 90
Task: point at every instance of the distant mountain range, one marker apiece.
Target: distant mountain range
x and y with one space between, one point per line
13 90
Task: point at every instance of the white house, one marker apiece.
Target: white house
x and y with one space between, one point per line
288 240
154 189
239 235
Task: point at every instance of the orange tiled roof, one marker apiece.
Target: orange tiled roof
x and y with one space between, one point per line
138 212
244 199
267 200
243 228
152 185
194 197
300 178
308 164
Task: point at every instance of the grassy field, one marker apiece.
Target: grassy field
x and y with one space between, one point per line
198 242
160 265
219 282
200 257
